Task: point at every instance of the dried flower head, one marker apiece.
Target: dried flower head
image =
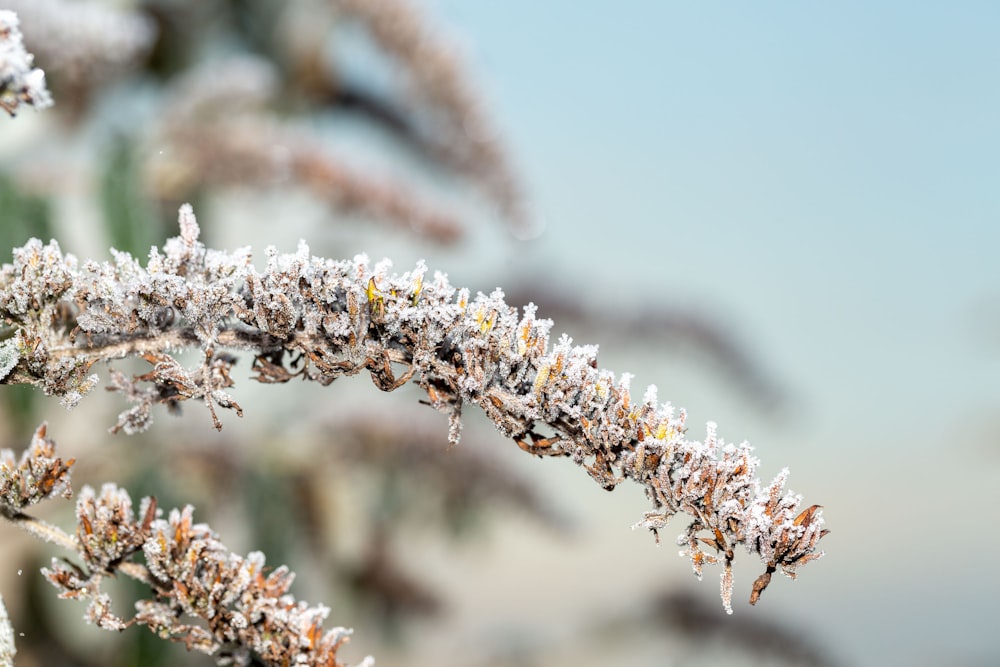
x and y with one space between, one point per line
201 594
107 530
39 474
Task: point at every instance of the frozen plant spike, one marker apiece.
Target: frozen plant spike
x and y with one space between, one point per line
322 319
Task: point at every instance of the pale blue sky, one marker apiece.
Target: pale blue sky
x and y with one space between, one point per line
826 175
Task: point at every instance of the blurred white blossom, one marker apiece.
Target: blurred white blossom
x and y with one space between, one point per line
20 82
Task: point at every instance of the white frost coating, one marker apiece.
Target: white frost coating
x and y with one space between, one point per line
9 356
72 398
726 585
7 648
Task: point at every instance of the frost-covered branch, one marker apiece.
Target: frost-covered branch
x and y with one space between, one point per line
320 319
20 82
246 610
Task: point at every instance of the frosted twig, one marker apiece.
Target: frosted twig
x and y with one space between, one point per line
248 611
20 82
321 319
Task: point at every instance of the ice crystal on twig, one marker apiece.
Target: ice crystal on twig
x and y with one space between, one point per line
321 319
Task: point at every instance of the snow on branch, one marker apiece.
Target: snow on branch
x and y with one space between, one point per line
321 319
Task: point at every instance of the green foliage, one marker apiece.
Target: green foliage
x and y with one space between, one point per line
127 212
23 215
